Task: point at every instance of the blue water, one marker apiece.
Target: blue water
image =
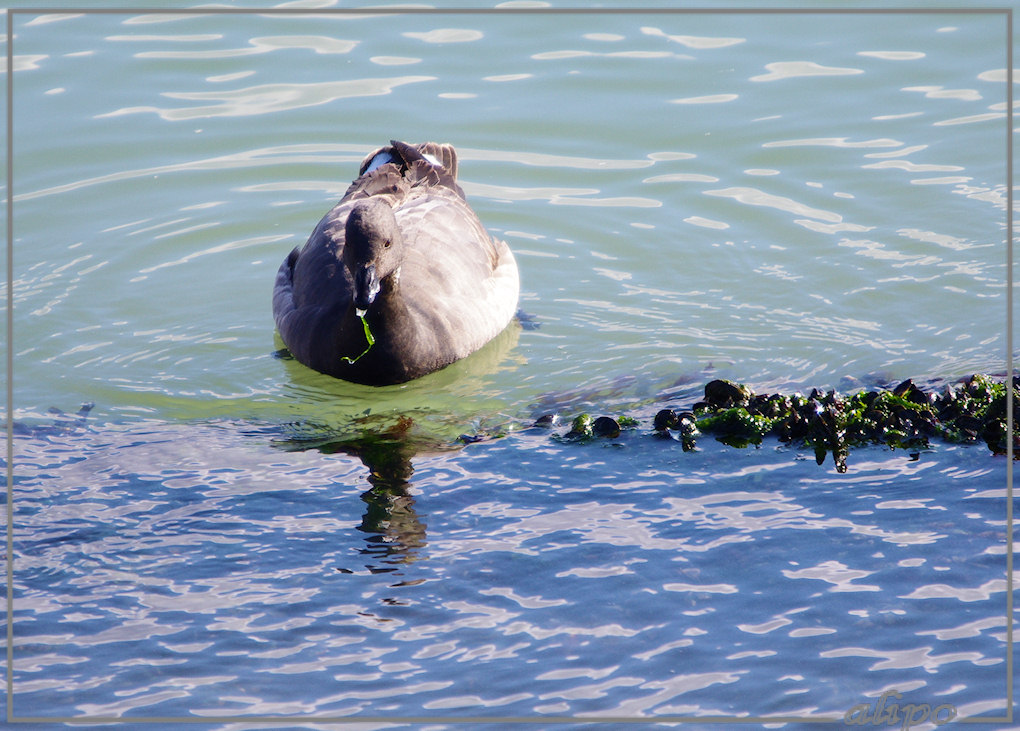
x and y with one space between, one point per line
790 201
200 574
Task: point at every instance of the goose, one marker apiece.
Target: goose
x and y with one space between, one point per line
400 278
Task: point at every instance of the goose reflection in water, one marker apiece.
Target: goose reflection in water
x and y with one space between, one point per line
387 427
395 531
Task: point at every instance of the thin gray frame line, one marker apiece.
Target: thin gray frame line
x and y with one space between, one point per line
10 365
11 12
1009 365
751 10
433 719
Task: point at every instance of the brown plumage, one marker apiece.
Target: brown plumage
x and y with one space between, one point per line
404 247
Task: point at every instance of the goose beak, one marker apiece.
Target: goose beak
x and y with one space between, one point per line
366 287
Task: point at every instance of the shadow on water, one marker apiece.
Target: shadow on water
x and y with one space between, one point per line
61 425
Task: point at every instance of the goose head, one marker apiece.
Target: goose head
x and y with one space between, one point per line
373 249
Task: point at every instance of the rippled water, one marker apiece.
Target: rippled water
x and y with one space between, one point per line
167 570
783 200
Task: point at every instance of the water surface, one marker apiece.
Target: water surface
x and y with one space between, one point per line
782 200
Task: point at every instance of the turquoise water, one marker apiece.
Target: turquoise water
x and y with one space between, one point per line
788 201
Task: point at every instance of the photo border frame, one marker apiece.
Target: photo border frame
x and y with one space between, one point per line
12 13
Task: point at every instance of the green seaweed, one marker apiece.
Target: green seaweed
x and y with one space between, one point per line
581 428
736 425
368 338
585 428
905 417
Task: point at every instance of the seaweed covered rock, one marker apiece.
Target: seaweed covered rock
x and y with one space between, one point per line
905 417
606 426
584 427
976 410
720 394
736 426
681 426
